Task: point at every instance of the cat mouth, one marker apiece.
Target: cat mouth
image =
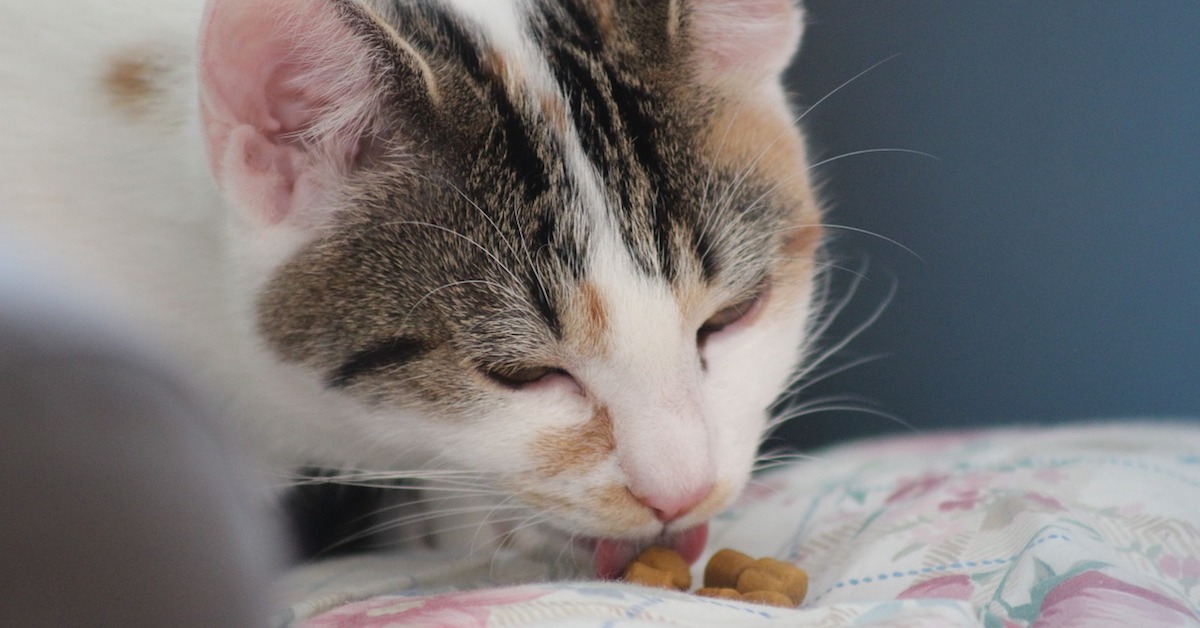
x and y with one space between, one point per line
612 555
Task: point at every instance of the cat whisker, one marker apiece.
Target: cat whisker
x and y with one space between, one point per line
454 284
389 486
535 519
503 504
871 151
784 415
410 520
871 319
848 408
566 551
800 385
770 234
724 204
839 88
497 541
875 235
428 481
504 538
495 227
533 267
827 316
486 251
349 474
705 196
744 174
439 499
782 458
422 535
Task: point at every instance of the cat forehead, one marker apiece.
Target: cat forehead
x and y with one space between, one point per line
582 116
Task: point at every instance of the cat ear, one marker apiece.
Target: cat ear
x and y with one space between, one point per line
743 40
289 89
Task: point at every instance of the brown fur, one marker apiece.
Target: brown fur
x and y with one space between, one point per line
499 67
738 135
586 321
558 452
133 80
603 10
545 501
554 113
622 507
695 299
673 19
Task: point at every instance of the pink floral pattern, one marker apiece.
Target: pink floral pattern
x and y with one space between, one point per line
1080 526
1095 600
957 587
468 610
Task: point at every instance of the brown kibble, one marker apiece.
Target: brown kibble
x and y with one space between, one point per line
771 598
793 580
638 573
755 579
729 575
668 560
724 568
719 593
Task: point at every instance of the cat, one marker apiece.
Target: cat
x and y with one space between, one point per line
558 255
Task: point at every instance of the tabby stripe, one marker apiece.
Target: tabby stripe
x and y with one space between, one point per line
597 129
541 299
569 252
520 149
460 43
616 131
592 111
587 31
390 353
704 252
631 102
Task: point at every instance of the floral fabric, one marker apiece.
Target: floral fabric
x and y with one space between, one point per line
1091 526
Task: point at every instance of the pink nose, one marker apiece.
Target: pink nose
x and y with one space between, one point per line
668 508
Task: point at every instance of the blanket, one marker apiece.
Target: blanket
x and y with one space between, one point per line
1090 525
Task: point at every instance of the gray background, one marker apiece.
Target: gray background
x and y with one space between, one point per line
1057 230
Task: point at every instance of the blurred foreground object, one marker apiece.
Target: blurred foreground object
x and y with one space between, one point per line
123 503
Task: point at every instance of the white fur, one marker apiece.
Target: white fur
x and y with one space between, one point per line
128 208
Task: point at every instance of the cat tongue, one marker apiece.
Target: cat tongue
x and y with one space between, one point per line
612 555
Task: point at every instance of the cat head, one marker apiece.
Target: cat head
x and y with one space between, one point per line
567 245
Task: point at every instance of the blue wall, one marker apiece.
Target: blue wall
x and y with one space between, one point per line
1058 230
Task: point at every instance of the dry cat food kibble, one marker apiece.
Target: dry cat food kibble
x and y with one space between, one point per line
729 575
660 567
724 568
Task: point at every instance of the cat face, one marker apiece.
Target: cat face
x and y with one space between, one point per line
566 245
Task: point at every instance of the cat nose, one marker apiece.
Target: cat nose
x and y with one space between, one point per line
668 508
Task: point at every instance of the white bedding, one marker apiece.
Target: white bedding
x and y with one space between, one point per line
1094 525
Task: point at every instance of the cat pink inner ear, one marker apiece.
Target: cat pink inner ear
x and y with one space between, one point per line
742 39
287 94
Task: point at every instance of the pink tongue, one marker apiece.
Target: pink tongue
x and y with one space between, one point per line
613 555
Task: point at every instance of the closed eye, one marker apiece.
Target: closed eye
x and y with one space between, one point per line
521 377
731 315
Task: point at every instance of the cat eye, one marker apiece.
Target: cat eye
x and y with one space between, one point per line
730 315
520 377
